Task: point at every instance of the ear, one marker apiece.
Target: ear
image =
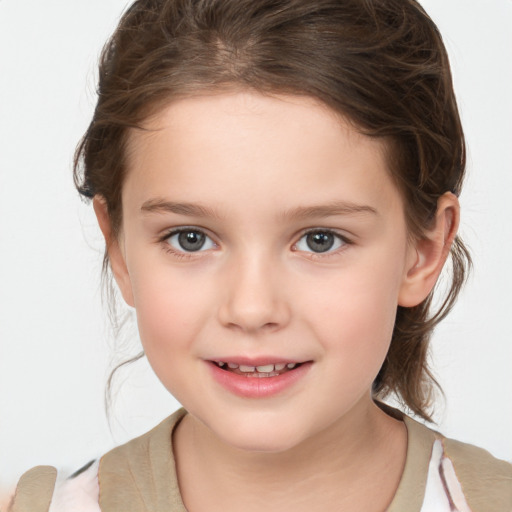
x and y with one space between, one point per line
115 254
429 254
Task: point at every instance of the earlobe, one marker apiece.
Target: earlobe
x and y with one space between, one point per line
115 254
429 254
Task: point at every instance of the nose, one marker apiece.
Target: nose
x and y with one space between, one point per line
254 296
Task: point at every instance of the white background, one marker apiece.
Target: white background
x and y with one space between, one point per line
54 336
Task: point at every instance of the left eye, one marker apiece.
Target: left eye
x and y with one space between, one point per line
319 242
190 240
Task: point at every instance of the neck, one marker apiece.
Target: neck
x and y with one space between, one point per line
363 450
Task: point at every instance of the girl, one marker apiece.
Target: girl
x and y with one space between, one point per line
277 184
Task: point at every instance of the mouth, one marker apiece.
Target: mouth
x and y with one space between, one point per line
260 371
258 378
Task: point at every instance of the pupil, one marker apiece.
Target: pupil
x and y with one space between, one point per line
320 242
191 240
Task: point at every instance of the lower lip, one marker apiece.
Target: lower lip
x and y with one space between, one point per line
258 387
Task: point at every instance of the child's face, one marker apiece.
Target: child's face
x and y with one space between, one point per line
292 248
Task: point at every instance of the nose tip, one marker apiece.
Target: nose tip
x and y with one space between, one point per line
252 313
250 320
253 302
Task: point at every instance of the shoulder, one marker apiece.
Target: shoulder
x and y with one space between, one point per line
34 490
42 489
128 475
486 481
466 471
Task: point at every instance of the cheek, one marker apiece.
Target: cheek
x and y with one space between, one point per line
354 312
356 334
168 325
170 313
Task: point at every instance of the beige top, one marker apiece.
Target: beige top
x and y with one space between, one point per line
140 476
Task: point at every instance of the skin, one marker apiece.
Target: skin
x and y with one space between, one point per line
5 500
256 288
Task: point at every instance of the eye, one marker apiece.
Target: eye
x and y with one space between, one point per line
320 241
189 240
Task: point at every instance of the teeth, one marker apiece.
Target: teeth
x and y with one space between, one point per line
265 369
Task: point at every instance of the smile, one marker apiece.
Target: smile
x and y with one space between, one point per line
267 370
262 380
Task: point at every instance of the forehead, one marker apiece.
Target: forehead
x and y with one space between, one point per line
240 146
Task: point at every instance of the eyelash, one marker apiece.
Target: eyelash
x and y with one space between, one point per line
182 254
329 253
313 255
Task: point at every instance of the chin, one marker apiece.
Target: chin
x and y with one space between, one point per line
259 436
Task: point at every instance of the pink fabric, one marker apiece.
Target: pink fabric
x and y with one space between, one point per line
79 494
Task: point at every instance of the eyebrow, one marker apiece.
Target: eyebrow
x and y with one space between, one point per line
188 209
329 210
299 213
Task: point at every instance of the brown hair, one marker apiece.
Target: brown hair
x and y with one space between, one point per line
380 63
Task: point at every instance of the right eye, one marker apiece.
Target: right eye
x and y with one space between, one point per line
189 240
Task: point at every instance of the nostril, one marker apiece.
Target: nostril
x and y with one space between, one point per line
253 307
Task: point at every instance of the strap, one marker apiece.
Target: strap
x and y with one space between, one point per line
35 490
